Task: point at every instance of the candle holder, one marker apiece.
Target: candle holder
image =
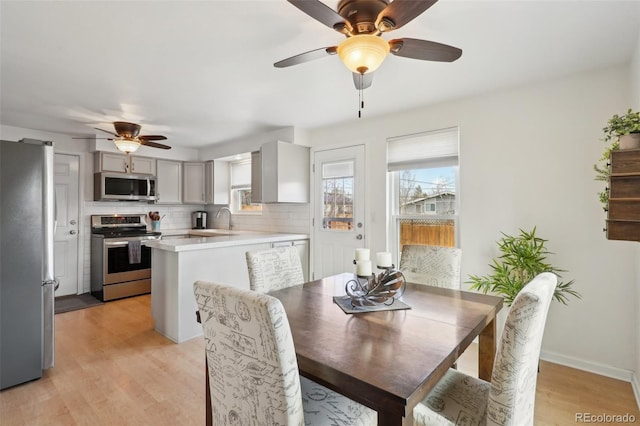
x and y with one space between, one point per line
372 290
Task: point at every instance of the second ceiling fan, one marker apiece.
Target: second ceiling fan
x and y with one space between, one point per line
362 22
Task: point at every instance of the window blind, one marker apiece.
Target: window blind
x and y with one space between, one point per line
438 148
240 174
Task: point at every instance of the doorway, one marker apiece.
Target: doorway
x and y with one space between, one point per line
67 178
338 225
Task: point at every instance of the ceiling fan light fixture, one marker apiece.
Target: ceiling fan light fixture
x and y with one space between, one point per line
363 53
127 145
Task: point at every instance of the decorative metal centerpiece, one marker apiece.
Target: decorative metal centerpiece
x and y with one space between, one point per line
372 290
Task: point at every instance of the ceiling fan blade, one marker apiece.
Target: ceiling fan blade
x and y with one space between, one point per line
106 131
154 144
362 81
424 50
401 12
92 138
152 138
306 57
322 13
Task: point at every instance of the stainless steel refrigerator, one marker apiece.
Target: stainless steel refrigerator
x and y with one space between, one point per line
27 283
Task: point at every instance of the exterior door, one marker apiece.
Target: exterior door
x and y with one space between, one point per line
338 225
67 209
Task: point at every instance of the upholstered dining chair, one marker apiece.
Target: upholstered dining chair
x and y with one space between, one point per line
432 265
253 370
509 399
274 269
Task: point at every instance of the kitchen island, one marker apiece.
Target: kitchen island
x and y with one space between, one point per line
211 255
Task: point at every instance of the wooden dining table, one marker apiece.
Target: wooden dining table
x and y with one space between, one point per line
387 360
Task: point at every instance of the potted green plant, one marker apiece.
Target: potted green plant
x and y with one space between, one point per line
523 257
625 129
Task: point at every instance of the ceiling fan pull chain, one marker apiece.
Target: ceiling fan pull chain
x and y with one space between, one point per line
361 96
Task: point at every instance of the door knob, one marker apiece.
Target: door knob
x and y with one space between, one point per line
359 237
73 222
72 232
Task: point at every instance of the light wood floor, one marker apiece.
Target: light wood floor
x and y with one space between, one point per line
113 369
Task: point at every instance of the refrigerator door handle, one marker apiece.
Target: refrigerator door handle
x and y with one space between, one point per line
48 320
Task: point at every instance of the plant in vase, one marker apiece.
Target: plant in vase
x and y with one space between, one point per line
625 129
523 257
621 132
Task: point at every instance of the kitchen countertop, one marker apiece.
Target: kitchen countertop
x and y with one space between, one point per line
203 239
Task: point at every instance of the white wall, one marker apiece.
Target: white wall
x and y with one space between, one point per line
526 160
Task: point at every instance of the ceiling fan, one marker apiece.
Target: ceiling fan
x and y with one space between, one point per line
128 138
363 22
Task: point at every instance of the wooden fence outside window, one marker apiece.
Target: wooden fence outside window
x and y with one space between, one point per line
432 232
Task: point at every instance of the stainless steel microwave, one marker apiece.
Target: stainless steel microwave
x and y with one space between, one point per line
123 187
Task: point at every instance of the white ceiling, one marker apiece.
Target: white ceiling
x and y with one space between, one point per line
201 72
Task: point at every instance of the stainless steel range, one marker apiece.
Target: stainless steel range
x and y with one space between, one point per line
120 260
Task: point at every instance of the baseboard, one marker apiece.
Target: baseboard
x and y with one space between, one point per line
591 367
635 384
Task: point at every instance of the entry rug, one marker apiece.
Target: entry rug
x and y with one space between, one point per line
75 302
345 305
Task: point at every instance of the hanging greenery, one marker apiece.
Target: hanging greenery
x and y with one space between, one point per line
617 126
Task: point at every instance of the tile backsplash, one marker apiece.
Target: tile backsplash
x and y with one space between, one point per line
289 218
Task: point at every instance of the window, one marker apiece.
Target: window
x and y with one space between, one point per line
337 185
424 188
240 180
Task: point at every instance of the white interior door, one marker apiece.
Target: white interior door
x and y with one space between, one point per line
66 243
338 226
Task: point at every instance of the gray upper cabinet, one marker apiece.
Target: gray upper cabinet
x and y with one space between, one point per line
281 175
121 163
216 183
193 191
256 177
169 182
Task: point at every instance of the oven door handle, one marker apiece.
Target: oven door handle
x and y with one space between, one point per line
120 243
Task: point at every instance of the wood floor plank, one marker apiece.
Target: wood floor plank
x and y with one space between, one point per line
112 368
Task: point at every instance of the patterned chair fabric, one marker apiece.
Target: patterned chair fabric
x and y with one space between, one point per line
431 265
509 399
253 371
274 269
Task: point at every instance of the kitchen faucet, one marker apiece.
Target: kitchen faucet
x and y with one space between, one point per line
226 209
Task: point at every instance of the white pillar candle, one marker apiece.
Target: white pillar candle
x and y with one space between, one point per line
363 268
384 259
362 254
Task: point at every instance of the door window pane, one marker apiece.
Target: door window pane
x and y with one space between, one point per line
337 185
